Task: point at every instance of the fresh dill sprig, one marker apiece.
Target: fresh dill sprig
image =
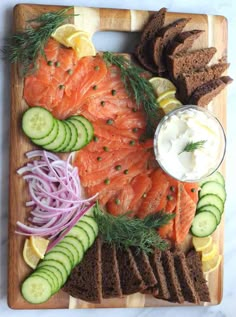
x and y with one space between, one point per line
192 146
137 86
24 47
124 231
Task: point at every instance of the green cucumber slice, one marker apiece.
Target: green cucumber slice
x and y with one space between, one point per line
67 138
36 290
60 257
71 240
82 138
56 264
88 125
81 235
37 123
204 224
59 139
60 248
211 200
49 138
47 275
89 230
213 188
70 249
212 209
91 221
216 177
54 272
74 137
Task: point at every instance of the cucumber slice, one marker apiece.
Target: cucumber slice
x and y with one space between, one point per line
60 248
211 200
56 264
37 123
90 220
88 125
74 137
52 275
216 177
71 240
36 290
81 235
60 257
59 139
213 188
89 230
204 224
49 138
67 138
90 212
47 276
54 272
212 209
82 139
72 250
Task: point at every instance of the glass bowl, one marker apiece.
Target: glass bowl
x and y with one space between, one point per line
175 145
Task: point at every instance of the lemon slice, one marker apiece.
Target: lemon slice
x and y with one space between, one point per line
210 253
169 104
74 38
29 255
39 245
63 32
161 85
211 265
167 94
84 47
201 244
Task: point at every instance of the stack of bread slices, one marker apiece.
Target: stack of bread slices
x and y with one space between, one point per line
110 272
166 51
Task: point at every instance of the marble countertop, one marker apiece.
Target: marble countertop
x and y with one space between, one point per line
228 305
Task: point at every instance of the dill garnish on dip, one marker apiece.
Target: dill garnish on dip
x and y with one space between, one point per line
189 143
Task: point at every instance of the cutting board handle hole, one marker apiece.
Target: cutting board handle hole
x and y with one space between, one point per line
116 41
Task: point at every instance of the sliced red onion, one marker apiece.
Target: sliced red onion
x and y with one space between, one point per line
56 196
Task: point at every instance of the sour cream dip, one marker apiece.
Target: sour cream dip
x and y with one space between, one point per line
184 126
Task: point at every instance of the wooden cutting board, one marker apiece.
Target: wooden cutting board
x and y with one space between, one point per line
94 20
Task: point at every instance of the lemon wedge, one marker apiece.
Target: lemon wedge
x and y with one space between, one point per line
39 245
29 255
84 47
169 104
210 253
63 32
167 94
211 265
161 85
74 38
201 244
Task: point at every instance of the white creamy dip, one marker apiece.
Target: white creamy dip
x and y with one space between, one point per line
181 127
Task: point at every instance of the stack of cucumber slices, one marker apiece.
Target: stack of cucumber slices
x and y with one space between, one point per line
56 135
210 206
53 271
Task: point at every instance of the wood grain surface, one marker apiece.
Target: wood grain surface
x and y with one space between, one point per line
94 20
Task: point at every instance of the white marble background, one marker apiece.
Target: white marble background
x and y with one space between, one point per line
228 305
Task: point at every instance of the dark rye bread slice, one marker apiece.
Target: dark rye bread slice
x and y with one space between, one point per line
85 280
150 31
187 83
183 42
189 61
205 93
165 35
110 272
185 279
130 279
144 267
160 290
171 277
195 268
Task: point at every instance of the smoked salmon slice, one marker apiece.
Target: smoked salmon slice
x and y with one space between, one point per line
119 204
184 214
